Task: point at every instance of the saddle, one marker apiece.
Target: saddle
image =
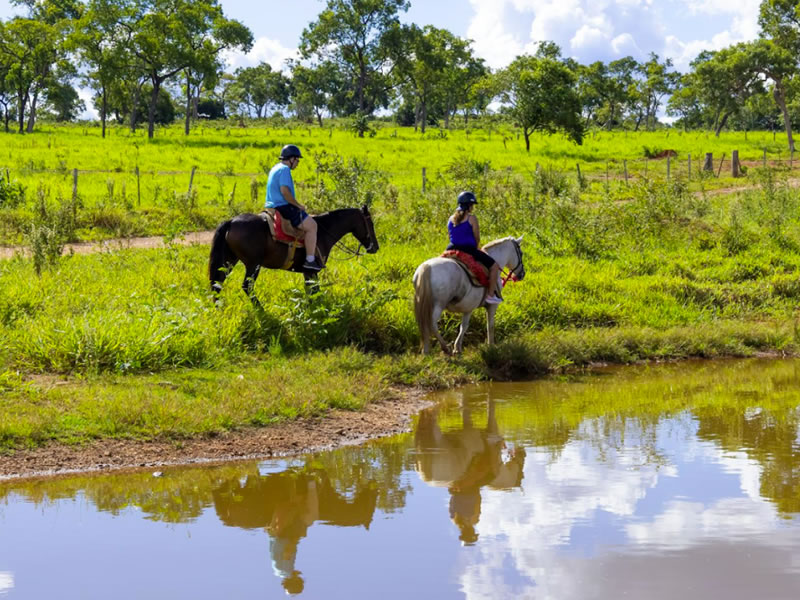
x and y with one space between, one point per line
478 274
281 229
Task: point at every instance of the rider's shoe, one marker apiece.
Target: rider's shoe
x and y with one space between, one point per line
313 265
493 300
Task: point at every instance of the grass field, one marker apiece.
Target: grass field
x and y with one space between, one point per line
616 272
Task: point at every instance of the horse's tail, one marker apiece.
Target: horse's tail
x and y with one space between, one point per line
221 258
423 302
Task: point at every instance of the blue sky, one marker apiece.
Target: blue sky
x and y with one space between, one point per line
587 30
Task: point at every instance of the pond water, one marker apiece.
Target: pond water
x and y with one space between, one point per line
653 482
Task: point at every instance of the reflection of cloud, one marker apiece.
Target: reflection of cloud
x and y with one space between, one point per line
554 538
6 582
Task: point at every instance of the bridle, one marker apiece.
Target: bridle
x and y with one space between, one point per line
370 228
512 274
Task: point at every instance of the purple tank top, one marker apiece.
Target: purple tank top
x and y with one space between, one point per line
461 234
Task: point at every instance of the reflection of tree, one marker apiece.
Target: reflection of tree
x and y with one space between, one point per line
286 504
465 460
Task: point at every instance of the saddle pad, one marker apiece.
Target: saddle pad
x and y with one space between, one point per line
281 229
478 273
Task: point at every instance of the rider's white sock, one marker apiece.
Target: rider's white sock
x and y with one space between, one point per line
309 259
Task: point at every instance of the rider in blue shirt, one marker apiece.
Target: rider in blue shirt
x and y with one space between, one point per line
465 236
280 196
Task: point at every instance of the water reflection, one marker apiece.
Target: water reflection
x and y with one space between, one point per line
285 505
464 460
650 482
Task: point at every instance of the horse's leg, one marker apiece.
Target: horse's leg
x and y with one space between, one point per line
462 331
490 310
248 285
437 313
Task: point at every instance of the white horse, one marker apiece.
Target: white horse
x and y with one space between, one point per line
441 283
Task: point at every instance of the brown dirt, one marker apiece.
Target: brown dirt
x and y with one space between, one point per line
338 428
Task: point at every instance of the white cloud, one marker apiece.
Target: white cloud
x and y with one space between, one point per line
90 114
609 29
264 50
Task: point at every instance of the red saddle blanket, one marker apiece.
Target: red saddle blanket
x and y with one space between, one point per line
480 273
281 229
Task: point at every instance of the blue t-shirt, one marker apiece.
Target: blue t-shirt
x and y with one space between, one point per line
280 175
462 234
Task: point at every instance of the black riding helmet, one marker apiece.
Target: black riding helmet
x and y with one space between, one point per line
466 198
290 151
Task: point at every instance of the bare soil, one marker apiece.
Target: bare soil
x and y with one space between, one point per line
338 428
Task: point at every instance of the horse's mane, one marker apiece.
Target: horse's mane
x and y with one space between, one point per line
500 241
334 213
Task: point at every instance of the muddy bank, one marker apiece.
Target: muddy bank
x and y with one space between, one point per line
338 428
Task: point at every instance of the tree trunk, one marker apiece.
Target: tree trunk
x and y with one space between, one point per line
424 115
6 116
21 101
151 113
527 139
638 121
721 124
137 92
319 117
188 103
447 115
104 110
32 112
780 99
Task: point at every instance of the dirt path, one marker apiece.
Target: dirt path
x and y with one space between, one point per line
338 428
197 237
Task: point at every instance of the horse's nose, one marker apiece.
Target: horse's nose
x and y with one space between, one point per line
373 248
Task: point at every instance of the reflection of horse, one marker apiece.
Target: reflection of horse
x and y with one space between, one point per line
246 238
464 461
286 504
440 283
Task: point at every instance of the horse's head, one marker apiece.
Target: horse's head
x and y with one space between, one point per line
365 231
508 254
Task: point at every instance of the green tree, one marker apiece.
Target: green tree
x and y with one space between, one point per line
31 49
259 88
63 102
169 37
778 53
541 95
723 80
6 92
363 39
685 103
103 47
655 82
313 87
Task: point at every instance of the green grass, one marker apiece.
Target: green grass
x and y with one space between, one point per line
652 270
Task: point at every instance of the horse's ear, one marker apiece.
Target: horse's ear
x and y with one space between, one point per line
519 239
365 209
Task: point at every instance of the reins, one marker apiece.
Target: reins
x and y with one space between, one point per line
343 247
512 275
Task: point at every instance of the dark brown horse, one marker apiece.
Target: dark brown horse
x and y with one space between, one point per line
246 238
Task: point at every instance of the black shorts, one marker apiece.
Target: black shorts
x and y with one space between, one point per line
291 212
479 255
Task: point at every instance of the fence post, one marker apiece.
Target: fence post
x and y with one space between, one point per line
669 162
191 179
74 185
689 167
138 188
8 177
735 164
765 157
722 160
424 179
708 165
578 167
625 167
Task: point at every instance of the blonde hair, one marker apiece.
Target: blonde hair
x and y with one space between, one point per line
459 216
